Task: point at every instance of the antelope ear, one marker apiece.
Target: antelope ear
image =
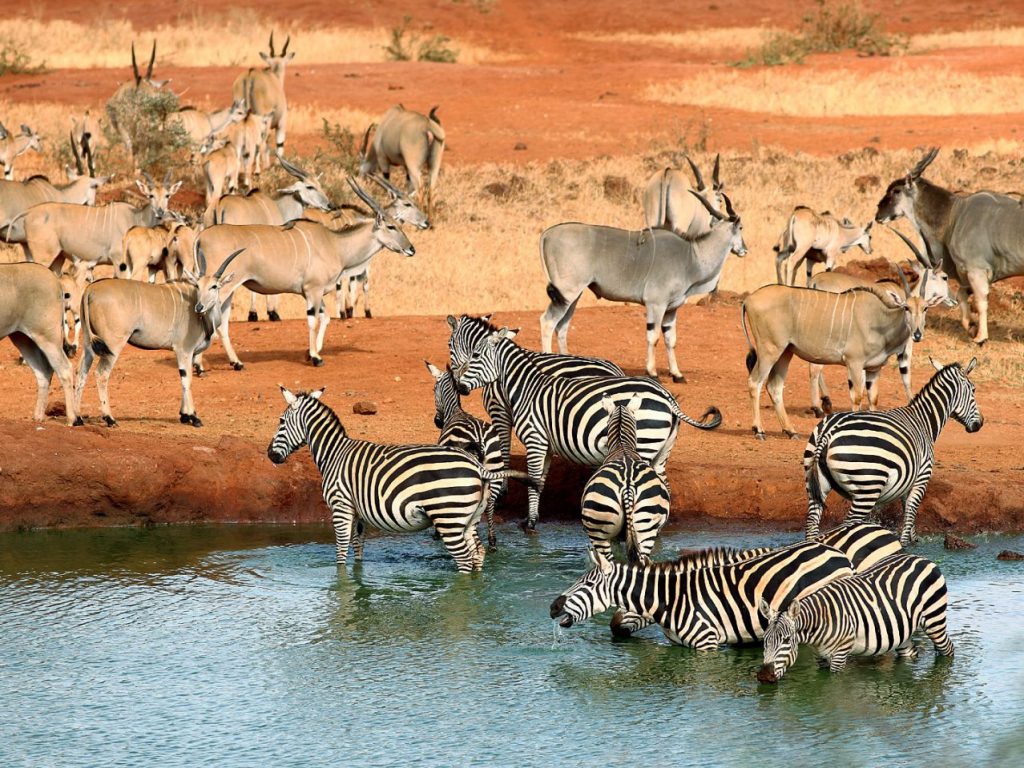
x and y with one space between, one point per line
609 404
971 366
316 394
288 396
174 188
794 609
935 363
290 56
143 187
265 57
225 280
433 370
898 299
452 322
187 274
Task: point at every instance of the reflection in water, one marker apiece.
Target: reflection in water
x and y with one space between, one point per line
247 646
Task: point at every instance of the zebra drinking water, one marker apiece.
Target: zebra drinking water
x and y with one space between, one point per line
874 458
702 608
397 488
625 496
866 614
565 416
464 430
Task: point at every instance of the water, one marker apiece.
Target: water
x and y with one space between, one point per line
242 646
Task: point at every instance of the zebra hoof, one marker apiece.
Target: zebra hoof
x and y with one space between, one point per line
110 421
530 527
680 379
317 361
369 315
253 317
238 366
273 317
78 422
348 313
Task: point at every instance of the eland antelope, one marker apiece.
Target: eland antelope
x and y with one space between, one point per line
12 146
180 316
220 170
200 125
249 137
656 268
815 238
668 203
410 140
301 257
262 91
147 250
32 315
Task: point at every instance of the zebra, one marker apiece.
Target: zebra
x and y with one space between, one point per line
876 457
564 416
467 333
702 608
464 430
865 545
625 495
396 488
867 614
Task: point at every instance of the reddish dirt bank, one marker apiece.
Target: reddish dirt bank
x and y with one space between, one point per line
154 470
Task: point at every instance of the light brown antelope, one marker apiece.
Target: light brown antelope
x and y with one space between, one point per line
301 257
220 170
861 329
668 203
142 83
410 140
262 90
32 315
85 133
180 316
93 235
72 285
199 124
249 137
148 250
12 146
815 238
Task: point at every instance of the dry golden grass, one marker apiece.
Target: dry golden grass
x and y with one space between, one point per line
232 38
823 92
976 38
717 39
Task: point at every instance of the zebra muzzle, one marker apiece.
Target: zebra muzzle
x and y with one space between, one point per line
766 674
557 606
276 456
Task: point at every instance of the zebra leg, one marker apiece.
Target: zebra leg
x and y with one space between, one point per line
668 330
359 540
493 492
459 541
343 518
910 505
907 650
625 623
654 317
934 625
838 658
537 463
864 502
818 489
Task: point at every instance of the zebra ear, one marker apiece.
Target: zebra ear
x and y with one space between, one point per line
288 396
508 333
794 609
316 394
433 370
970 366
487 318
634 404
609 404
452 322
765 610
935 364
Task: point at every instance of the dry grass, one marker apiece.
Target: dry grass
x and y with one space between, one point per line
717 39
232 38
834 93
1010 37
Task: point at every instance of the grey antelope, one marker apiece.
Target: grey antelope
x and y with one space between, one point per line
32 316
668 203
167 247
707 607
466 335
262 91
220 171
180 316
656 268
625 497
562 415
408 140
397 488
866 614
402 209
301 257
874 458
460 429
13 146
139 83
933 287
863 544
816 238
978 239
199 124
861 329
92 235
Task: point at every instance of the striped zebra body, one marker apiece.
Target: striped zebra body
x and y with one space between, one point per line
703 608
874 458
566 416
396 488
464 430
866 614
466 335
864 545
625 496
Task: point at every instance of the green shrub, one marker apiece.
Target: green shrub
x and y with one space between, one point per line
343 148
156 144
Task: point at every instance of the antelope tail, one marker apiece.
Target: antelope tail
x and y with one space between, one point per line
663 200
98 346
752 353
435 136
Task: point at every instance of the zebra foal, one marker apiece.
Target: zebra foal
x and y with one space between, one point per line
876 457
396 488
702 608
464 430
867 614
625 496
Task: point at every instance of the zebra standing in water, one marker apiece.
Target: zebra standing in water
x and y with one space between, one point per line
864 545
873 458
702 608
464 430
397 488
867 614
565 416
625 496
467 333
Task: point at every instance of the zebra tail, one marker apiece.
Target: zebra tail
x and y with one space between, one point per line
813 476
509 474
629 512
711 418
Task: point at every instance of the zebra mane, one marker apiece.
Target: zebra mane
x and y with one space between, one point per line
933 382
700 558
479 321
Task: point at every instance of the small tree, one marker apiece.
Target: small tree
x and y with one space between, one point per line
156 143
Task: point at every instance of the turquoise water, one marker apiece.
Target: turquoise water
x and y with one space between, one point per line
242 646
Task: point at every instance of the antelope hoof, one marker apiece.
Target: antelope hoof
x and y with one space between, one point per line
980 342
78 422
253 317
826 404
239 365
369 314
110 421
678 379
758 433
818 413
348 312
791 435
273 317
317 361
